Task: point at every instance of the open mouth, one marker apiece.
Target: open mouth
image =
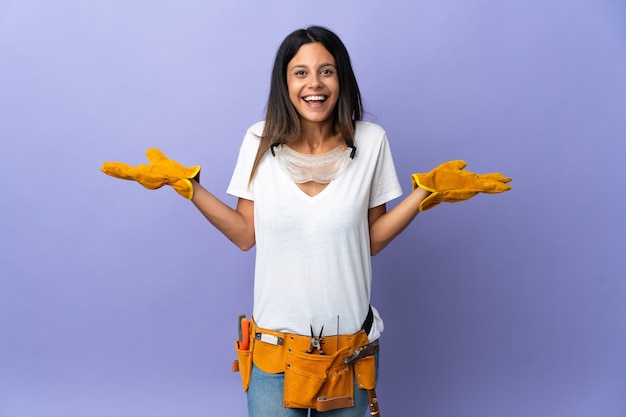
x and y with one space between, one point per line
315 99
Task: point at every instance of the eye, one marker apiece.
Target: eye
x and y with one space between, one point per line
327 71
300 73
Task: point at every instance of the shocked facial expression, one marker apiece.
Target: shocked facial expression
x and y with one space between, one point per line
313 83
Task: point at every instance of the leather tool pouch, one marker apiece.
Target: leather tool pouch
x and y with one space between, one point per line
243 365
322 382
309 377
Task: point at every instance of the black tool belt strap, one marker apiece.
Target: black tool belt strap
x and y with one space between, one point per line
369 320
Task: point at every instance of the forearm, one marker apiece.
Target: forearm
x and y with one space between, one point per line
236 224
389 225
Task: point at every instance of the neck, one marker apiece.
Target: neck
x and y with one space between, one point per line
318 138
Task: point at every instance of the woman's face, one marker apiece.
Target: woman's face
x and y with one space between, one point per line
313 83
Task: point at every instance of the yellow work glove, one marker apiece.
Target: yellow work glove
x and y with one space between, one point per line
161 171
449 183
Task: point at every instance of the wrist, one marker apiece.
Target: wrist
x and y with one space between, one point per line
421 192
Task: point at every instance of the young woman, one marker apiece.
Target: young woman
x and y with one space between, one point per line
314 206
312 183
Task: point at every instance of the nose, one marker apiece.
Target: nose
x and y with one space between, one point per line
316 82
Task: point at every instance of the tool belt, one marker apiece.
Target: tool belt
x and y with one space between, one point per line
312 380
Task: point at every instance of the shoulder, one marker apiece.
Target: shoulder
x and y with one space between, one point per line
257 128
369 132
370 135
368 128
253 136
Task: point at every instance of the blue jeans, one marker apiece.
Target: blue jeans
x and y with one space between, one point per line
265 399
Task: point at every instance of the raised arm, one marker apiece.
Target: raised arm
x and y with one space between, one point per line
385 226
447 183
236 224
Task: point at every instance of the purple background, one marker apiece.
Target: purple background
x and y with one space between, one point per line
117 301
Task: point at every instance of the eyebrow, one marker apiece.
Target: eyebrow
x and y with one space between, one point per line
306 66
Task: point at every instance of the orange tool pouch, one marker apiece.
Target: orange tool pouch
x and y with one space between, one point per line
322 382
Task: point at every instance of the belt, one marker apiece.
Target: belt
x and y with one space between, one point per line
369 321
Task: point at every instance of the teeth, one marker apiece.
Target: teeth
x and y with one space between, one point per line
315 98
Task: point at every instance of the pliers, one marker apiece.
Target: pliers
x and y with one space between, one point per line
316 342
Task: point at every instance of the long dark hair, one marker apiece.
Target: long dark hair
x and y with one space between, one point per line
282 122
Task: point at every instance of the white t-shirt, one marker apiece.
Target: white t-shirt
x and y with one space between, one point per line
313 262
